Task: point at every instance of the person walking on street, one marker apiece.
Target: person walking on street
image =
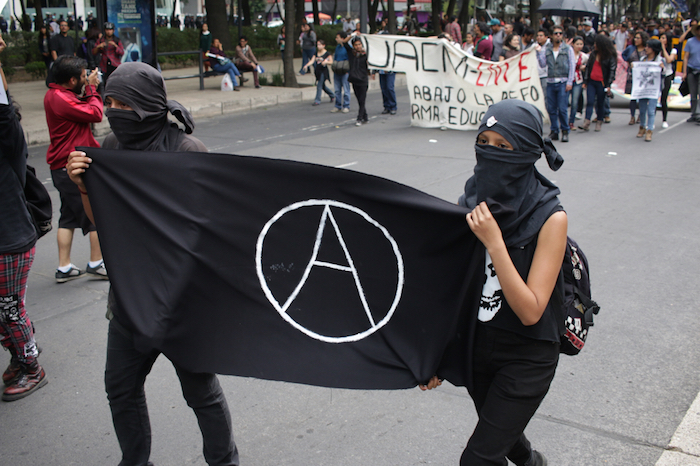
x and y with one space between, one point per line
137 109
581 59
633 53
670 54
358 77
647 107
69 117
597 78
320 62
519 325
387 80
559 59
340 76
24 375
691 71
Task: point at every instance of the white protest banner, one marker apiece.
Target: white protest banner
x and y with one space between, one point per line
646 80
449 88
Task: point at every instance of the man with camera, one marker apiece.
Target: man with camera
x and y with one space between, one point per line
69 113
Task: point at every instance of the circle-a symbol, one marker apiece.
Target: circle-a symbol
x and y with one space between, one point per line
347 264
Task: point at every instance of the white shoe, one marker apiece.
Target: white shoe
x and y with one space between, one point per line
358 123
335 110
346 110
664 125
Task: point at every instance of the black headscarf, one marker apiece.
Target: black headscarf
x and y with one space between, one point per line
146 127
520 198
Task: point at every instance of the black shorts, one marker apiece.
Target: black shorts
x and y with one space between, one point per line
72 211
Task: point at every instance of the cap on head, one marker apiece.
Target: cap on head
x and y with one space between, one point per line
495 22
109 25
588 23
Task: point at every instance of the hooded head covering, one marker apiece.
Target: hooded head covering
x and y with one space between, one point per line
146 127
520 198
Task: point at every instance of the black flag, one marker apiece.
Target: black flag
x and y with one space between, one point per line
284 270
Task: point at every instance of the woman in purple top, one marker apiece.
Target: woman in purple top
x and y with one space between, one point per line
222 64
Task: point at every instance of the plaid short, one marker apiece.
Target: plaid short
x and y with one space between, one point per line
16 332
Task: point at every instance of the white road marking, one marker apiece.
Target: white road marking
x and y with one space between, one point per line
345 165
671 127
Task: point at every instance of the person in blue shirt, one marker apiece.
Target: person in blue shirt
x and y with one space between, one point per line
340 79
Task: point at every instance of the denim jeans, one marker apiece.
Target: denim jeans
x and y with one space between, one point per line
557 106
386 82
342 90
321 87
305 57
575 93
125 375
693 78
229 68
647 113
595 94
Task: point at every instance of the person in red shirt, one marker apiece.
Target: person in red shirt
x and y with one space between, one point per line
69 117
483 47
111 48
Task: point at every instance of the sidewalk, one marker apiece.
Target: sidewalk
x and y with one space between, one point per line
202 104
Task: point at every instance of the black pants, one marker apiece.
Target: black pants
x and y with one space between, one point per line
668 80
361 94
512 375
125 376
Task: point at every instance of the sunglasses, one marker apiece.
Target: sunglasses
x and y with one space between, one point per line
558 33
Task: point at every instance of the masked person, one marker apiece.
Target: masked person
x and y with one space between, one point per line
137 109
517 216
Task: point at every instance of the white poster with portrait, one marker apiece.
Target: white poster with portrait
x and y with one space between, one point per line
646 80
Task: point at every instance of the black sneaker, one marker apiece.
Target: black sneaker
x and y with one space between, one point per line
692 119
385 111
72 274
554 135
564 136
537 459
392 112
99 272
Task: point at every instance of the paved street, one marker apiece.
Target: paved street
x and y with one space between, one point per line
632 207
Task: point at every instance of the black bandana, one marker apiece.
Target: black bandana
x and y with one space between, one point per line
520 198
146 127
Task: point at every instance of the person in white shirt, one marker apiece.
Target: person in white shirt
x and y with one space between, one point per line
620 37
669 55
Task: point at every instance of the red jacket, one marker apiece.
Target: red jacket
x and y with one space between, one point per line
69 121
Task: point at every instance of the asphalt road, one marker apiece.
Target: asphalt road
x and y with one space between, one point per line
631 206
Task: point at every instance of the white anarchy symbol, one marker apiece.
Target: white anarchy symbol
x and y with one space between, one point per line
326 216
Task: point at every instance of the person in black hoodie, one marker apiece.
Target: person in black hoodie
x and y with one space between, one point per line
18 237
359 77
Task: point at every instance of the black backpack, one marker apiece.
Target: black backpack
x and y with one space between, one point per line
579 306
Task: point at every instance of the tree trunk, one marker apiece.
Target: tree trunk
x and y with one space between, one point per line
218 24
392 16
535 15
644 10
464 15
247 17
436 6
335 10
39 16
693 8
290 79
373 8
451 9
299 18
314 6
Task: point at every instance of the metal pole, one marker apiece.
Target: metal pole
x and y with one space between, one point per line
363 16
